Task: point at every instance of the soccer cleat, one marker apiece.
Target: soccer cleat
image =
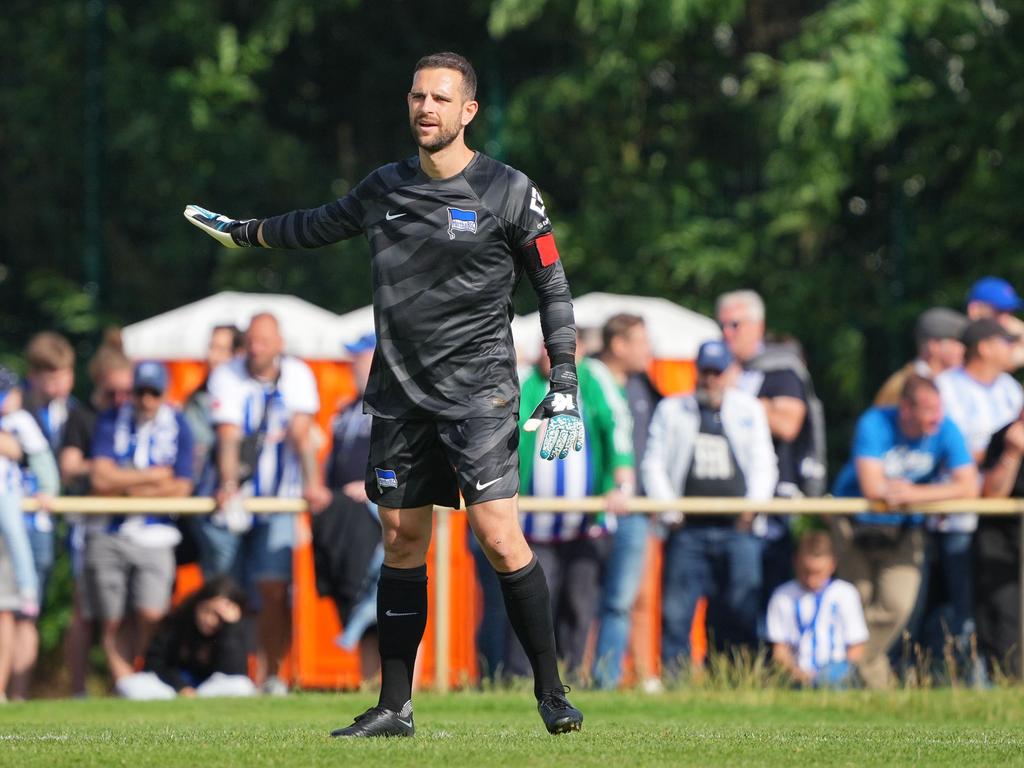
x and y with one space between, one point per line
378 721
558 714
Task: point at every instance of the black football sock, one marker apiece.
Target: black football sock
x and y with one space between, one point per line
401 618
528 605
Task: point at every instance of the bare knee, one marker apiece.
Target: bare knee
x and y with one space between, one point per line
405 549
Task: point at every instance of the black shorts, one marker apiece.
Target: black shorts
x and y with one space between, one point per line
418 462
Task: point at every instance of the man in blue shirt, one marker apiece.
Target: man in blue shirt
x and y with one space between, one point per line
902 455
142 448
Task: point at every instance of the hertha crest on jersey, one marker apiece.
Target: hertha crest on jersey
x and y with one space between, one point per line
461 221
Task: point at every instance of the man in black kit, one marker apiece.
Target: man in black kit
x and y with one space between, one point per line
451 232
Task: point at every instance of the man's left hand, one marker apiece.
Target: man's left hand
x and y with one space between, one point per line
561 408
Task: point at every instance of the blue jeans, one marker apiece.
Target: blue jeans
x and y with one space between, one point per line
954 560
42 555
623 572
719 563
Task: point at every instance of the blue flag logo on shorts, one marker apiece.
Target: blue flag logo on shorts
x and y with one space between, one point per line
386 478
461 221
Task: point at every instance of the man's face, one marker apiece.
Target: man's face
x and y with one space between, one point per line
220 350
147 402
949 353
922 414
742 334
113 388
633 349
438 110
52 385
263 345
713 383
997 352
814 571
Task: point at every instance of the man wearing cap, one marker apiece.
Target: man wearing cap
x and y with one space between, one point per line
995 297
939 348
716 442
981 398
141 448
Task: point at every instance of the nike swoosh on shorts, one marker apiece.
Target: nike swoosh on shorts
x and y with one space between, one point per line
485 485
389 217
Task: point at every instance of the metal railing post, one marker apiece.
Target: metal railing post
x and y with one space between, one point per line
442 598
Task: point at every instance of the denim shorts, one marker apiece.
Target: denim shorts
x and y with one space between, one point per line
263 553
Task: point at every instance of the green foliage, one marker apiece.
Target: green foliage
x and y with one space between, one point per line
854 160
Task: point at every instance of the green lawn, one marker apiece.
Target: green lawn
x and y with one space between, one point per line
772 727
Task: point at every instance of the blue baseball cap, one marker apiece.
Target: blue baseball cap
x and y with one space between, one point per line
996 292
150 375
365 343
714 356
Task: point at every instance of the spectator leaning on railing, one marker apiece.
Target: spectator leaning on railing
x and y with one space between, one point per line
939 348
715 442
902 455
142 448
263 407
981 398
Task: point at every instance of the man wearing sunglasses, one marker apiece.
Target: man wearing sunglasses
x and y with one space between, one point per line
715 442
141 448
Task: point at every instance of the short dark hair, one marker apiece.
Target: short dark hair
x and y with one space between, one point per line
449 60
237 337
914 384
618 325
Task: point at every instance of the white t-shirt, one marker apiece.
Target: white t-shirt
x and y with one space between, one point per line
24 428
979 411
238 398
817 627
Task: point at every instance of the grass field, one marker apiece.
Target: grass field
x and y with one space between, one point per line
772 727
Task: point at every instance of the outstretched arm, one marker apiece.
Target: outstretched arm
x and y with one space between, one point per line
309 228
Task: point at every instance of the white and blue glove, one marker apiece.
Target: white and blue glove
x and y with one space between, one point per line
561 409
230 233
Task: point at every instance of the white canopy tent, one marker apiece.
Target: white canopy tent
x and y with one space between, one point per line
309 331
676 332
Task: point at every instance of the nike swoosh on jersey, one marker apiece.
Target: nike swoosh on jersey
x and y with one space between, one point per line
391 613
389 217
485 485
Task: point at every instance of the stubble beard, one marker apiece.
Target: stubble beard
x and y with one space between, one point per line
445 136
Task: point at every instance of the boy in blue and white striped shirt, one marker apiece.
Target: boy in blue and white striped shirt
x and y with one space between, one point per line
816 622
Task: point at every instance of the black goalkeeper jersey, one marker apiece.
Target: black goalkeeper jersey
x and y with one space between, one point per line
447 255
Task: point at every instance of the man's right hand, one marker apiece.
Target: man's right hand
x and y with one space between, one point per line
230 233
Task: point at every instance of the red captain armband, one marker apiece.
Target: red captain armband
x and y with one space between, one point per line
547 251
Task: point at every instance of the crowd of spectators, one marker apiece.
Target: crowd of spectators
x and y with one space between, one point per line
869 599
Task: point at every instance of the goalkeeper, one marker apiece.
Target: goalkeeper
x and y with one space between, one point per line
451 233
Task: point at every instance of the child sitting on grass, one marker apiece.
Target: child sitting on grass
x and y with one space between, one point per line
816 623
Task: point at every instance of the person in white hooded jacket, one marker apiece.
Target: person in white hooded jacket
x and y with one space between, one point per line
715 442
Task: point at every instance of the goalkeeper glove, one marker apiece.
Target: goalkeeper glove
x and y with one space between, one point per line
561 409
228 232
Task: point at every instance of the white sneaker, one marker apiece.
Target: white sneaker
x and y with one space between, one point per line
274 686
653 685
